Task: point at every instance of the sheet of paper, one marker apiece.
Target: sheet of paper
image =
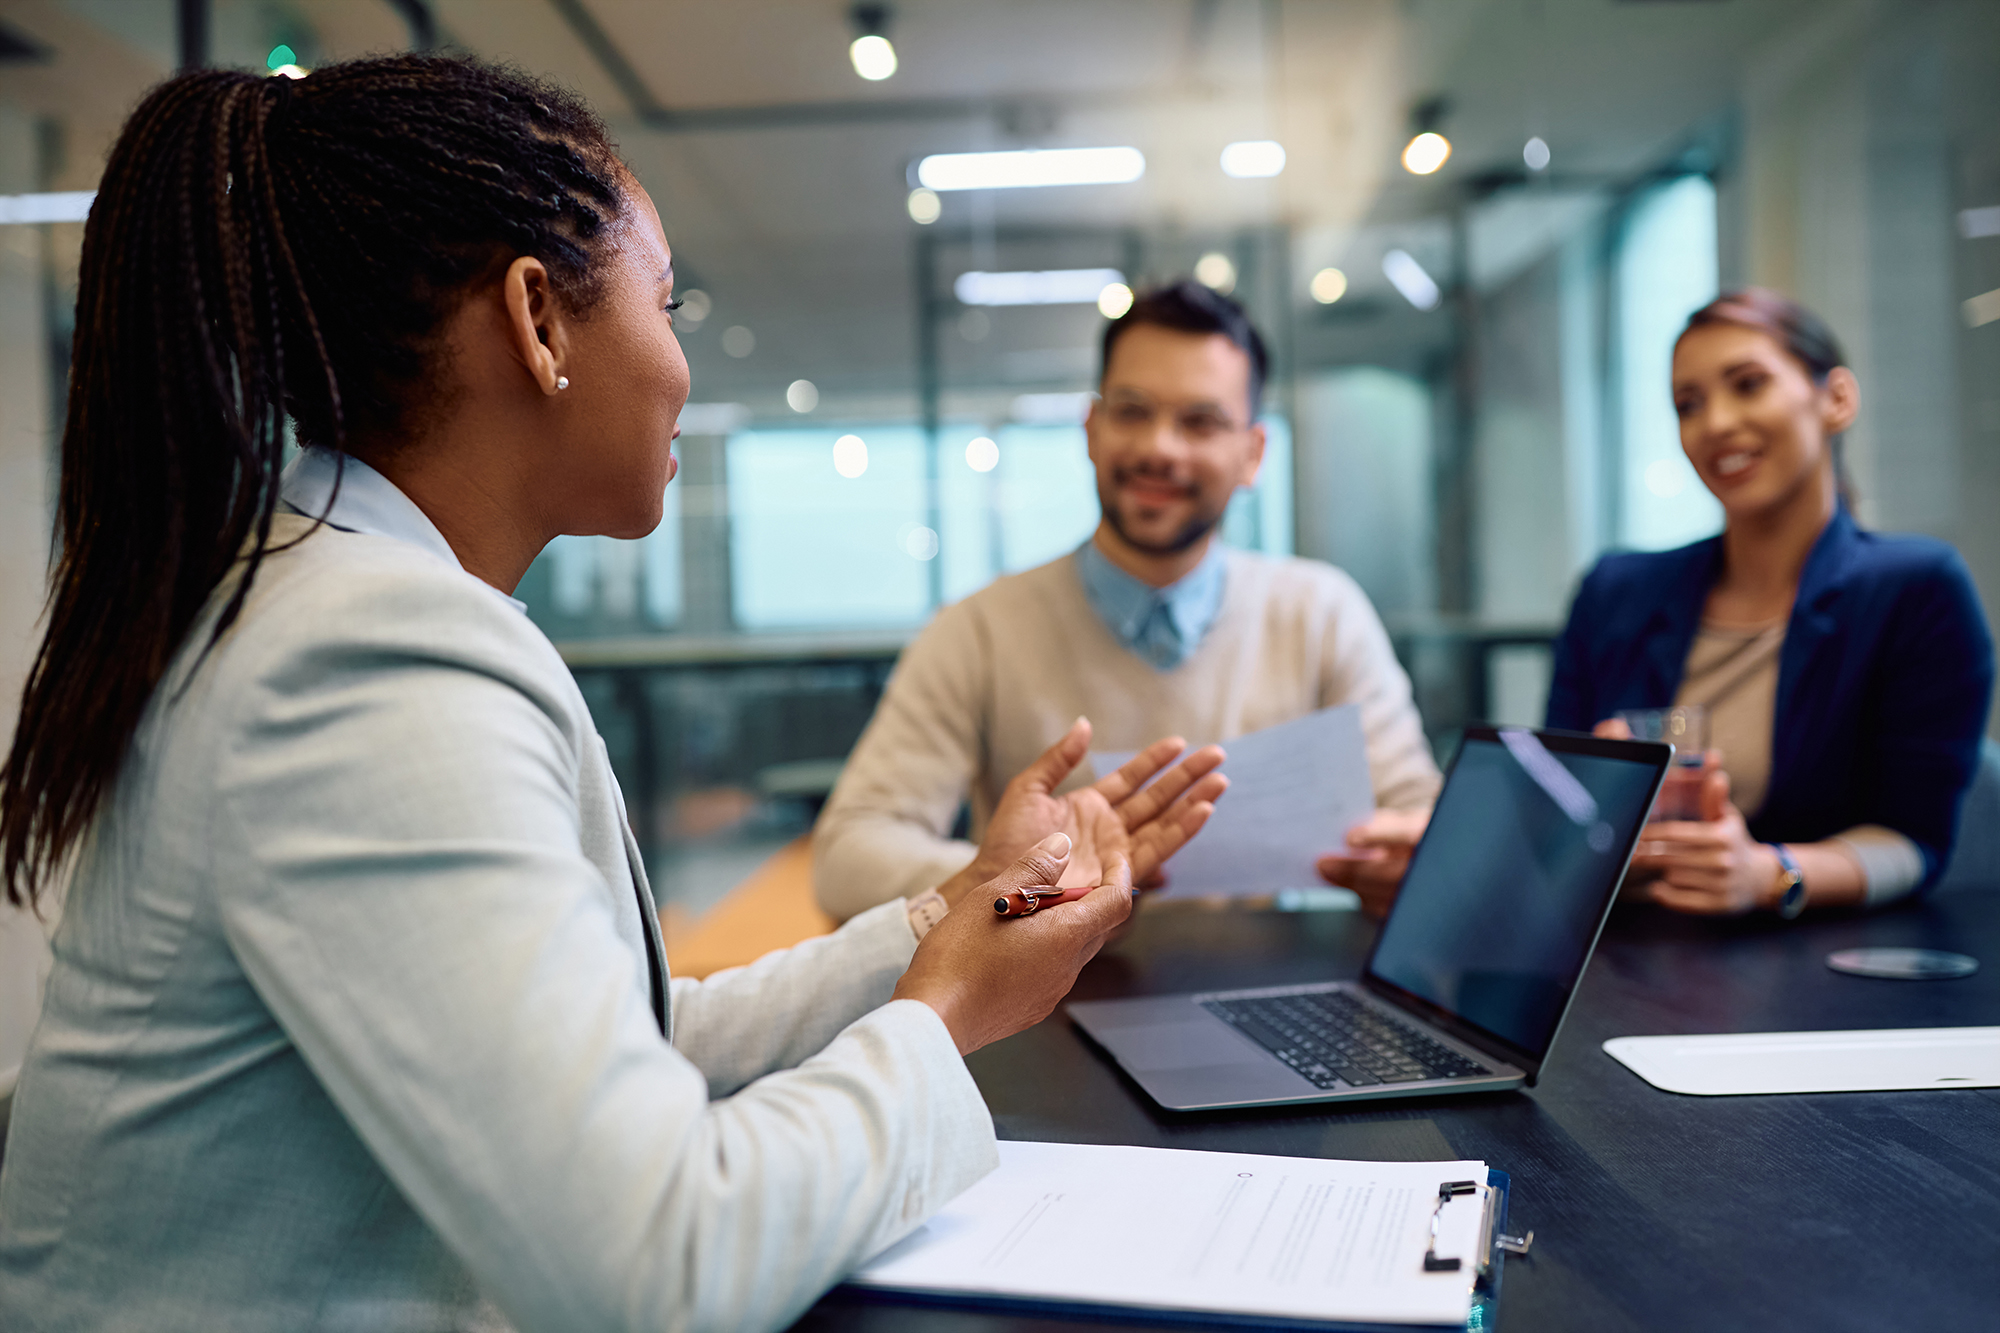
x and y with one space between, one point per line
1735 1064
1160 1228
1294 791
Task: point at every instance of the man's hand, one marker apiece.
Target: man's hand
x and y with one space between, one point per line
1376 856
990 976
1709 865
1158 819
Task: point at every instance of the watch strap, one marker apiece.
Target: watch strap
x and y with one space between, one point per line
1792 883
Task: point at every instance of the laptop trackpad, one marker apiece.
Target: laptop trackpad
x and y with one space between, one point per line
1200 1042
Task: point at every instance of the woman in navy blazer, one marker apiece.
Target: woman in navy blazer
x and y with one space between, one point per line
1885 667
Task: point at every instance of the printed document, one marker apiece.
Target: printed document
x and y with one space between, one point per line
1160 1228
1294 791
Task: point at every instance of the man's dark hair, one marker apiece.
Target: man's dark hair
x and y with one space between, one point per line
1189 307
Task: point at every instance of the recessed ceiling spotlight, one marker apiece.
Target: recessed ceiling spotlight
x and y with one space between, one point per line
850 456
1214 271
1427 149
873 57
924 206
1328 285
1536 153
1114 301
1426 153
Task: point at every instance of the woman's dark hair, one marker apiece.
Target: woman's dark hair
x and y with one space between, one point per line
262 248
1190 307
1805 337
1793 327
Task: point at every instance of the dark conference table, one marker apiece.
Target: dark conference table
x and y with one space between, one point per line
1862 1211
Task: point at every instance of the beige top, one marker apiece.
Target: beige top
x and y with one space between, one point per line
1732 671
998 677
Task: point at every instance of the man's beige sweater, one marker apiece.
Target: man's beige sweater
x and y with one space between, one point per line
999 677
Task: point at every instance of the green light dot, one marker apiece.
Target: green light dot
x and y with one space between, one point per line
281 55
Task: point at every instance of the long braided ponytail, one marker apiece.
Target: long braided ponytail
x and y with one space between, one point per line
260 250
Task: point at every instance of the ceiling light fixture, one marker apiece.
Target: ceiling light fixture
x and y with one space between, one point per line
62 206
924 206
1114 300
1252 158
1536 153
873 56
1031 168
1427 149
1060 286
1214 271
1328 285
1417 286
850 456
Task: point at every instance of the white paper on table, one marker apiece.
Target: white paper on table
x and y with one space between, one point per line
1735 1064
1167 1229
1294 791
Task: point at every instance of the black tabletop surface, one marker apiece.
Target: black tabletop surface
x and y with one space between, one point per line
1651 1210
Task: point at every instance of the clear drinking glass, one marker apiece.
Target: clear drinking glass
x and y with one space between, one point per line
1685 727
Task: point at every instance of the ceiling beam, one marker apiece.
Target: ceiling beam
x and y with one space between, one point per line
612 59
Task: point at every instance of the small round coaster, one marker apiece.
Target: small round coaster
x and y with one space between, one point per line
1903 964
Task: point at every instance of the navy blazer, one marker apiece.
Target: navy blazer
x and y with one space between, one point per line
1883 682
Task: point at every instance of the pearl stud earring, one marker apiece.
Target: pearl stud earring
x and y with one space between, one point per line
562 381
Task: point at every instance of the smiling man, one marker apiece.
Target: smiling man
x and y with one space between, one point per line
1150 629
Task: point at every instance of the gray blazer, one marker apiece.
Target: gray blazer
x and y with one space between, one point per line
350 1023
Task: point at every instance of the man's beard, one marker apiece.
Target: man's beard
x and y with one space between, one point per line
1202 523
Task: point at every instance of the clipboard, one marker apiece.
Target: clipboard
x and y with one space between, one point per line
1494 1247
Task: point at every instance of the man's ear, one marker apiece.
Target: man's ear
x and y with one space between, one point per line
1842 400
1093 420
537 333
1253 462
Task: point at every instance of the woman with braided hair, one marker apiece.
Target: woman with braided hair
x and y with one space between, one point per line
359 1014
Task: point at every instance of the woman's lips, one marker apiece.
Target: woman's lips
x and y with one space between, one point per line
1734 465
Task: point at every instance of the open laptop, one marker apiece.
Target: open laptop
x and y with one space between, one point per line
1471 973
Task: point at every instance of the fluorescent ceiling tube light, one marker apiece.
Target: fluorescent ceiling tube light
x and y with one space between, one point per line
1031 168
68 206
1974 223
1058 286
1252 158
1417 286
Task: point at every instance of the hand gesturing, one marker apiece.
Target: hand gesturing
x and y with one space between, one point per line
1157 819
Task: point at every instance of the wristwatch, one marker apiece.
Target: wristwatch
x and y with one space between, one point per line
1791 883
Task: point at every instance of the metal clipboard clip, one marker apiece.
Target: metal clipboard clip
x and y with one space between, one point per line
1493 1239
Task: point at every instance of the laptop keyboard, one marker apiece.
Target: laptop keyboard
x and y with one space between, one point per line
1330 1037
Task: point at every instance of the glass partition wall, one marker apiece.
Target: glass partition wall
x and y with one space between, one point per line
1468 401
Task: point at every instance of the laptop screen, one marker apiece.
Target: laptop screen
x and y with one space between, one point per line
1506 892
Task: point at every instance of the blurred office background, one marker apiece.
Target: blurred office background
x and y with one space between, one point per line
1470 395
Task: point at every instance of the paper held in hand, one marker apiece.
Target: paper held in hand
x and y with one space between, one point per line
1164 1229
1294 791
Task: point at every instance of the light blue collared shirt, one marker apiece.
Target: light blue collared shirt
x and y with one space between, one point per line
1162 625
368 502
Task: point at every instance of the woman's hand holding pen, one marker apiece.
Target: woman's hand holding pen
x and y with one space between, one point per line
1156 820
988 976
